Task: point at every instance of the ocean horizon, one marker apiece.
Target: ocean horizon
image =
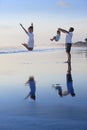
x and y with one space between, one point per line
43 48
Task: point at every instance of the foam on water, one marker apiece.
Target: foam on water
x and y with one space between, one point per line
12 50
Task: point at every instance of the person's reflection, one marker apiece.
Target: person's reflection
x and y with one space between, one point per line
32 85
69 83
58 88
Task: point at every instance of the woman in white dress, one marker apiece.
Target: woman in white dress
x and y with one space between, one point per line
30 44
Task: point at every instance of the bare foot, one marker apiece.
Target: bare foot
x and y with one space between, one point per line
51 39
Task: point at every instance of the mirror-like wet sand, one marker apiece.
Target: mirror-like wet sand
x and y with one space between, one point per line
54 99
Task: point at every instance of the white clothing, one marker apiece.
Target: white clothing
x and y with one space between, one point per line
69 37
57 37
31 40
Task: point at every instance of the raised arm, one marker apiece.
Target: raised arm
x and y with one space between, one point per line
27 96
27 83
24 28
32 24
63 30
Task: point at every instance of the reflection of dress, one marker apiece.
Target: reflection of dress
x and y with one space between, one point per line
32 88
70 84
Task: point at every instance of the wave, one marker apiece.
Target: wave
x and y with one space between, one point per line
12 50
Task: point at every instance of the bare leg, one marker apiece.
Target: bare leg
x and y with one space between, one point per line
53 38
26 46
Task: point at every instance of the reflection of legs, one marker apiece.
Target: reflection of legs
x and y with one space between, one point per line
59 90
26 46
69 57
69 68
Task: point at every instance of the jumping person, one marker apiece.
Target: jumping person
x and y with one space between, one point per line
69 35
30 44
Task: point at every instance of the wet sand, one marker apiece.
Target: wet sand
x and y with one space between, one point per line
49 110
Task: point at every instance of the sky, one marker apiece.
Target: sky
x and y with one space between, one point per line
46 15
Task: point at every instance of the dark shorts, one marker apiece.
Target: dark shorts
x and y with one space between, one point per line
68 47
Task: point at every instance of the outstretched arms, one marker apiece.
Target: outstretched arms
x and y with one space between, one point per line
24 28
63 30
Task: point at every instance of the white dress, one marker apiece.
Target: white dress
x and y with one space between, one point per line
31 40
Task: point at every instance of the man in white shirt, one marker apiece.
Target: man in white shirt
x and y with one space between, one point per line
69 35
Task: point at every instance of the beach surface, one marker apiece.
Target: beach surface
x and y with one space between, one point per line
49 110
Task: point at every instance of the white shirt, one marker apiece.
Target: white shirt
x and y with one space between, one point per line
69 37
31 40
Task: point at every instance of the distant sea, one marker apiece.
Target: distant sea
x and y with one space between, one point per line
19 49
